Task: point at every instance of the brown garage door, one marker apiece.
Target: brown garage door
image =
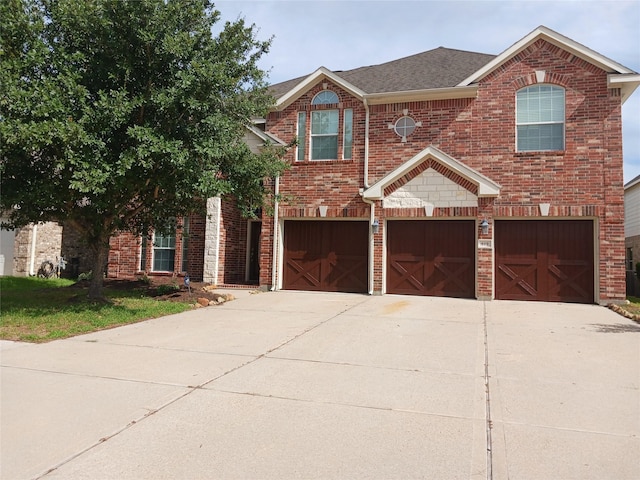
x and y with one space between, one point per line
545 260
435 258
328 256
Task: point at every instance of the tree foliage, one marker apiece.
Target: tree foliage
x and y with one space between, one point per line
117 115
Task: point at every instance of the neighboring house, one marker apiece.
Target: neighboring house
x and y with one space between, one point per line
632 234
446 173
23 250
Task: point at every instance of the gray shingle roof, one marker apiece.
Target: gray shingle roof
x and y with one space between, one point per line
437 68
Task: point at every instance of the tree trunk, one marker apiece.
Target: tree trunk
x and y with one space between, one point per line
101 253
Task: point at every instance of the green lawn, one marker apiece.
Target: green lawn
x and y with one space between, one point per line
634 306
40 310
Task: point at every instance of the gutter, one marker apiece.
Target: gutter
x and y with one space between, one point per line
32 261
372 205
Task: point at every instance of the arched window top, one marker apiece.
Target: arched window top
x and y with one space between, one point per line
325 97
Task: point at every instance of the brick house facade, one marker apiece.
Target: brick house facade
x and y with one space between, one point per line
445 173
23 250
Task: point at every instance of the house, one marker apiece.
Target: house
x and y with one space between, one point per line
23 250
446 173
632 234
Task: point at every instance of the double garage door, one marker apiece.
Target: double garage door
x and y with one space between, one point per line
544 260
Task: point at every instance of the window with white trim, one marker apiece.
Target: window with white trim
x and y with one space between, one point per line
328 131
347 140
324 134
164 250
540 118
302 130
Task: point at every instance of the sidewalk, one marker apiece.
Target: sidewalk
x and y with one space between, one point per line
316 385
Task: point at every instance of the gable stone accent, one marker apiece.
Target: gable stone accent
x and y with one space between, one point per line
431 187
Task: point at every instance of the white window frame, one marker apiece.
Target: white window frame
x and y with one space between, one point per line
541 122
157 247
335 135
325 97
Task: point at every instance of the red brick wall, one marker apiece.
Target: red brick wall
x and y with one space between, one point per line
233 244
312 183
125 252
585 179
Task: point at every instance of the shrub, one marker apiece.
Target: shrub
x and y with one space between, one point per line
85 275
167 288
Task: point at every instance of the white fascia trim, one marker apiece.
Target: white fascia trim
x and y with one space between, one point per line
555 38
425 94
626 82
265 136
320 74
632 183
486 187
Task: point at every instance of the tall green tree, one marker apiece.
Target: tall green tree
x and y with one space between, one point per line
117 115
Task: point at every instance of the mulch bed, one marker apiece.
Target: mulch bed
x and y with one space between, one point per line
161 288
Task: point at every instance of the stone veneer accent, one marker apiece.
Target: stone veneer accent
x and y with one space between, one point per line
212 241
48 239
430 187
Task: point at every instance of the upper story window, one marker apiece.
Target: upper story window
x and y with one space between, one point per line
325 97
540 118
325 133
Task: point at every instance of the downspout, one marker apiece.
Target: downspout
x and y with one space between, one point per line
372 209
274 256
32 261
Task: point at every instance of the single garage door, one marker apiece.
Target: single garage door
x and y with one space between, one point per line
328 256
545 260
435 258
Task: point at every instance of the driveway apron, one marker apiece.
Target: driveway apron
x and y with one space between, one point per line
327 385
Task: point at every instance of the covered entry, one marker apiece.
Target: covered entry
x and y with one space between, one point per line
435 258
545 260
329 256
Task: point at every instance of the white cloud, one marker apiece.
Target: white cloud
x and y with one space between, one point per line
341 35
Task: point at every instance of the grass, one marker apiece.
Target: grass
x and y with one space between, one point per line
40 310
634 306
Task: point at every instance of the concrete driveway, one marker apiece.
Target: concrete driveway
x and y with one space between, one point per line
315 385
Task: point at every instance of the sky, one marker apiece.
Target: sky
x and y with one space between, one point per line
346 34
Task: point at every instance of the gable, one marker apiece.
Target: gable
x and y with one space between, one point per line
318 76
445 73
256 139
431 188
619 76
445 165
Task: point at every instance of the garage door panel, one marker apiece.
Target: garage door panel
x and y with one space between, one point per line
435 258
326 256
545 260
408 273
303 273
453 276
519 279
347 273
